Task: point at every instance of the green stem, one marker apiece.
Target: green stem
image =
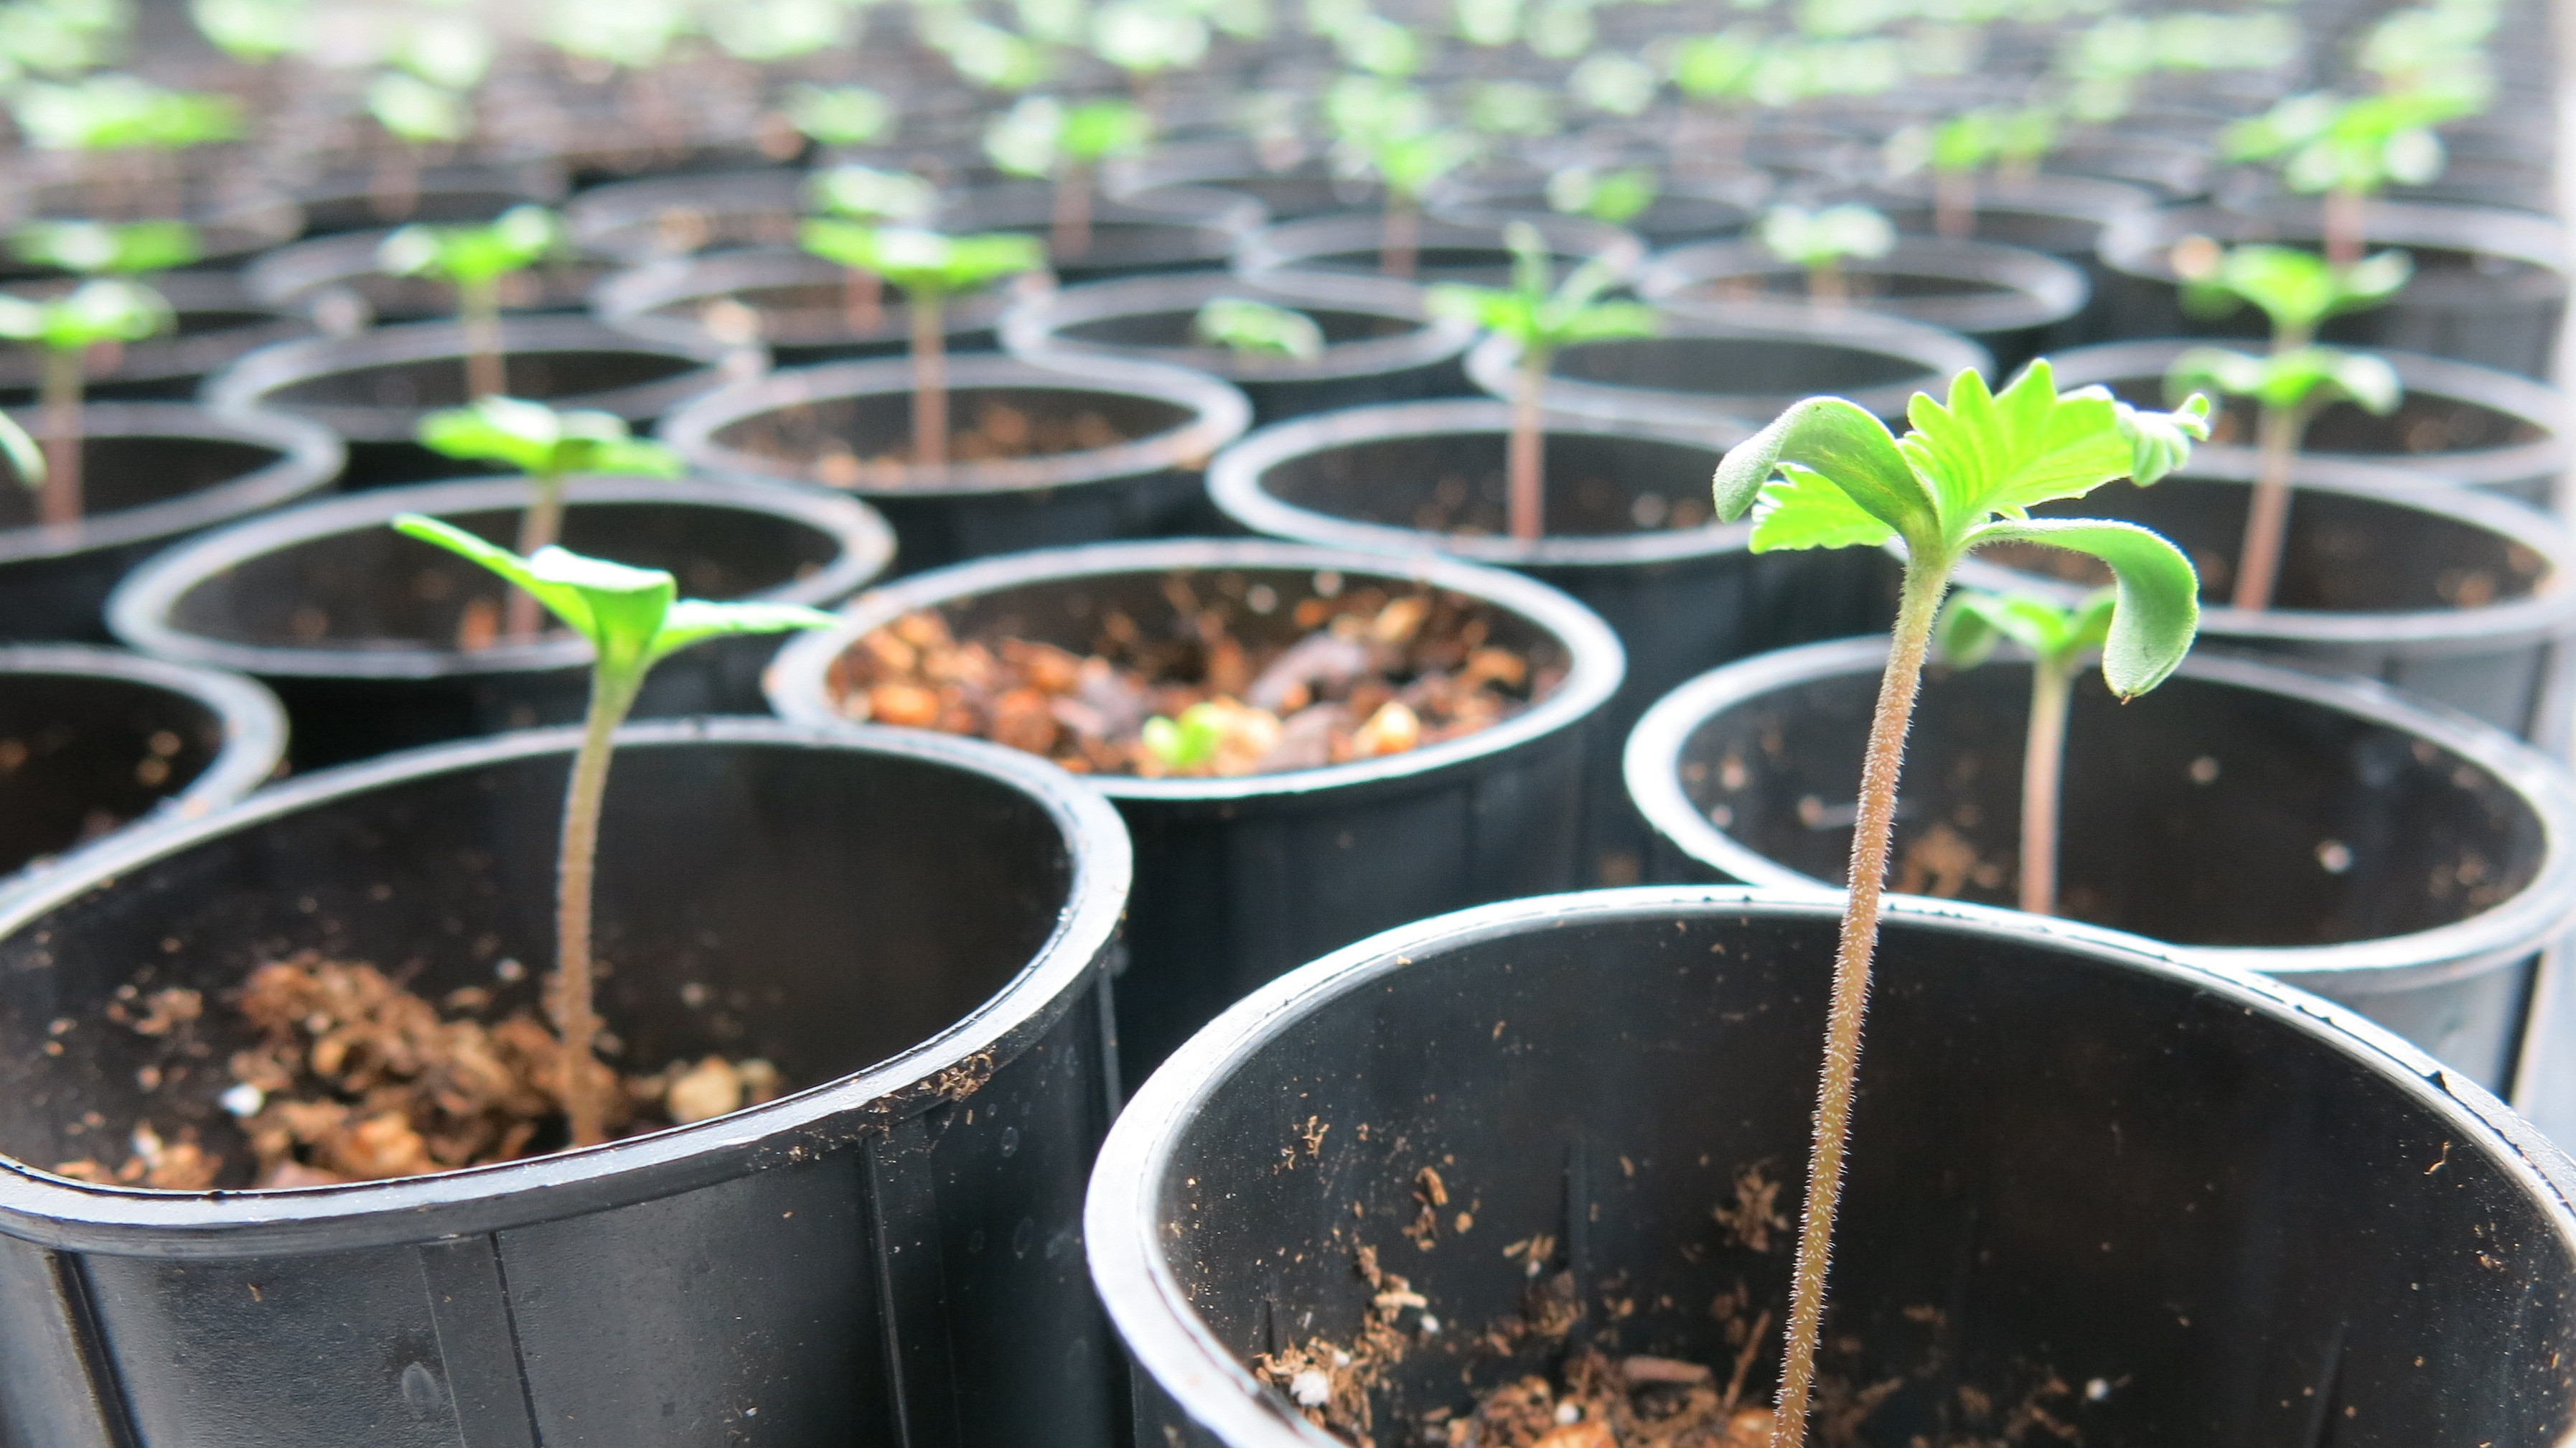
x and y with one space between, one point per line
612 693
540 526
2267 519
1926 577
929 379
60 398
2043 764
478 306
1525 467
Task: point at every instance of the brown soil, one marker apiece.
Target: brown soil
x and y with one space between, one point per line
1374 674
997 433
1471 509
355 1078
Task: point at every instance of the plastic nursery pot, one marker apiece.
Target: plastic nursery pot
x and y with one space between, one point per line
217 321
2060 215
1379 344
2489 287
229 232
153 474
1741 371
378 642
1628 534
336 281
1238 879
2159 1201
2458 422
374 387
2399 858
638 221
1318 256
796 304
2445 592
382 196
1687 208
1305 186
1180 228
1110 449
100 744
913 929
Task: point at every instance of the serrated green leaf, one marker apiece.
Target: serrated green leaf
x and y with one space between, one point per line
1804 509
564 600
695 620
2156 610
1851 451
1984 453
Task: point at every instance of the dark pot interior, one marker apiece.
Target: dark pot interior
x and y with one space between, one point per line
1172 330
440 381
1732 366
81 754
2423 424
121 472
1597 485
841 436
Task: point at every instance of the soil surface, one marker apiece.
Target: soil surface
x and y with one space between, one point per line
1371 672
998 432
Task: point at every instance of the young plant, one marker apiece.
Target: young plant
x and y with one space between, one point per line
1612 196
1821 241
838 115
2060 641
476 260
865 194
1827 474
928 268
2289 385
133 126
1956 149
2350 150
634 619
1716 75
97 312
104 248
1039 138
1257 329
548 446
1388 131
1540 316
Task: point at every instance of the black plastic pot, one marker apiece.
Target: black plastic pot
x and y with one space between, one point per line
1318 256
2015 302
1238 879
2490 286
639 221
1380 345
2457 421
2195 1201
368 200
1302 187
153 474
2455 595
358 627
217 320
1688 208
2060 215
1182 228
102 744
374 387
795 304
817 424
1740 372
2403 860
336 281
913 929
1423 478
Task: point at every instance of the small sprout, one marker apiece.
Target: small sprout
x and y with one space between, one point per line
626 34
2350 150
1541 316
864 193
1820 241
1512 108
107 310
1258 329
1619 85
1188 742
1213 737
255 31
1956 149
475 260
413 110
1489 23
838 115
988 55
1042 137
928 268
1378 46
634 619
2059 639
1148 37
2298 290
98 248
1389 131
1612 196
450 51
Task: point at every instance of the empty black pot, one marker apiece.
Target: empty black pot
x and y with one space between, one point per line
2405 861
152 474
2160 1202
215 320
912 929
796 304
1238 879
371 637
1132 470
373 388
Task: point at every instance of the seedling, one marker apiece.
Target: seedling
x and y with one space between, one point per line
1257 329
2293 382
1716 73
255 31
1955 150
1146 39
2060 641
634 619
105 310
1826 474
100 248
548 446
476 260
1039 137
928 268
1541 316
1620 85
24 457
1821 241
2350 150
863 193
1388 131
140 125
1612 196
838 115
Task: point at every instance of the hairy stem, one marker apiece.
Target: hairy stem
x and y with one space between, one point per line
1071 234
2345 217
929 380
2267 521
478 306
612 693
1525 466
1954 204
2043 763
539 527
60 389
1925 579
1401 246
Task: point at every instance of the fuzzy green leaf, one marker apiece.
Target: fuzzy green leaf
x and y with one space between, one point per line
108 310
865 193
1805 509
92 248
1850 453
2056 636
1984 453
838 115
515 240
2160 442
924 262
2157 605
695 620
1821 238
544 443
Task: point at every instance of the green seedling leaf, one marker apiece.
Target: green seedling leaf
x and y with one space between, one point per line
838 115
1147 37
450 51
1822 238
120 113
2160 442
2324 142
25 458
1040 135
629 34
1186 742
1258 329
254 31
2296 289
775 30
989 56
515 240
2297 380
1717 67
1539 313
1052 22
108 310
864 193
1512 108
2057 635
1489 22
544 443
1611 196
413 110
94 248
1619 85
922 261
1378 46
2156 610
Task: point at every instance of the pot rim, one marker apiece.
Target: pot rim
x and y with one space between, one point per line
2135 243
1220 413
594 218
309 456
1281 254
1012 205
297 276
2516 396
1123 1210
1032 329
139 610
171 357
52 1211
2547 612
1493 364
627 300
2511 930
1477 201
2040 289
795 680
249 383
1235 484
2067 195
